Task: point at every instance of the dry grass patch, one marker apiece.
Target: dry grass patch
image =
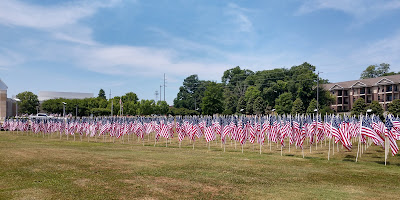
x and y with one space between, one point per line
41 168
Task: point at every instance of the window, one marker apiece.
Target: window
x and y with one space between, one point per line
368 90
389 97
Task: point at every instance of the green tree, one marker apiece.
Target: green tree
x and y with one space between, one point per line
298 107
325 110
130 96
374 71
394 107
102 94
376 108
312 106
241 105
28 103
53 106
181 111
283 104
359 107
249 107
230 102
146 107
100 111
212 100
191 93
131 108
259 106
235 82
163 107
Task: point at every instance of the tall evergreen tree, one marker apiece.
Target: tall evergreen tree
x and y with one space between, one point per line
312 106
102 94
258 106
359 107
376 108
283 104
212 100
298 107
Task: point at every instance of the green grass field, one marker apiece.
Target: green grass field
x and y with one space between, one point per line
34 167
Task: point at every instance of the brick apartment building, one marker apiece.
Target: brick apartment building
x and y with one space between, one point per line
382 89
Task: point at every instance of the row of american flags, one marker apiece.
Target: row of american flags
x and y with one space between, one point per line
283 130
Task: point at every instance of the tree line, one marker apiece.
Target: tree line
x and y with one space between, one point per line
241 91
127 104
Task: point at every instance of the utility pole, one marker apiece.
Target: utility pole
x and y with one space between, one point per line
112 104
156 93
164 86
160 92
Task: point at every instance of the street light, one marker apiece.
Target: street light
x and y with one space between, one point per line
16 106
64 108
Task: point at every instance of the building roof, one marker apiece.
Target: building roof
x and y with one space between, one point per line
3 86
46 95
383 80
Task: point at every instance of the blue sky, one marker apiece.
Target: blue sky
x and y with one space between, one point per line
127 45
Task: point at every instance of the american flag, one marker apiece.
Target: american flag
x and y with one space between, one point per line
391 135
367 130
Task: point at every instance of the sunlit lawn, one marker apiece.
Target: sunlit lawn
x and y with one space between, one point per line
34 167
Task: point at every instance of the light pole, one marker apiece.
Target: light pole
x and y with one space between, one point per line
16 106
64 108
76 111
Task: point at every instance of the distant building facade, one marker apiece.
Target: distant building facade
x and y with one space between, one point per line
3 100
382 89
46 95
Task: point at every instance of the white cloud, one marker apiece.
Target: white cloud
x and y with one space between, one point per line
60 21
362 10
9 58
21 14
386 50
240 18
139 61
